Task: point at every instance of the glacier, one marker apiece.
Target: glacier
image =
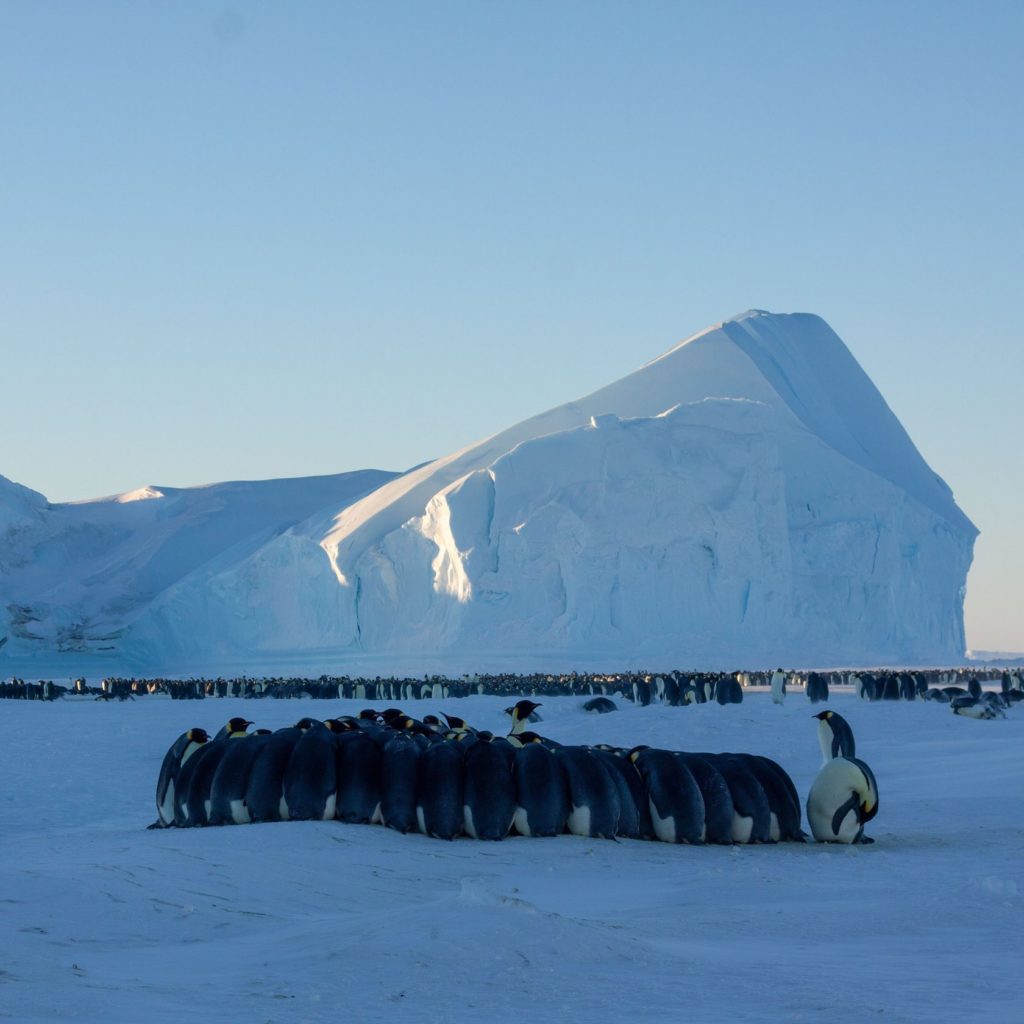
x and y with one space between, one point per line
746 499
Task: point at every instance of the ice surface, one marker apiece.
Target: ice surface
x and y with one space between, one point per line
745 499
104 921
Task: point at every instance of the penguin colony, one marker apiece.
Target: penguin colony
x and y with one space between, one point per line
446 779
960 688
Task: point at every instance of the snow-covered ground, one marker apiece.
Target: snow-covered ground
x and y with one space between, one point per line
102 920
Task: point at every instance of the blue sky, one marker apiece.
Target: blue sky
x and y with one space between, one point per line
275 239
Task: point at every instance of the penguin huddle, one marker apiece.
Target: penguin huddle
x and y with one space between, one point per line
446 779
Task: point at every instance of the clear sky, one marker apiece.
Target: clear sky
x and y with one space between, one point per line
280 239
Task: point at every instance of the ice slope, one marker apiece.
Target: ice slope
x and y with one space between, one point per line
73 577
746 498
104 922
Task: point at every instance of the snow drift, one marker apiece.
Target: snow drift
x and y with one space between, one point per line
747 498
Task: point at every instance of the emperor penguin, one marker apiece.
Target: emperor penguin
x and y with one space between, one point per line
181 750
778 686
399 759
358 767
842 799
835 736
593 793
541 788
674 798
718 806
521 712
197 804
227 794
440 782
310 779
489 799
234 729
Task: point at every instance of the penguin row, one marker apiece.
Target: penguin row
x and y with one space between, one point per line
448 780
673 688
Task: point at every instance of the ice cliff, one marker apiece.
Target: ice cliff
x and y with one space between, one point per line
745 499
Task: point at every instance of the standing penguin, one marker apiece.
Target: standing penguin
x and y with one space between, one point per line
842 799
358 760
674 798
399 759
835 736
718 806
593 794
488 795
227 794
521 712
198 802
817 688
778 686
439 790
310 782
541 787
264 790
752 814
181 750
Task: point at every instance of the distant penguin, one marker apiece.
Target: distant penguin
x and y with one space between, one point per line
729 691
675 801
521 712
842 799
593 794
541 788
227 794
399 759
600 705
439 790
817 688
672 693
310 780
778 686
975 707
835 736
488 795
178 755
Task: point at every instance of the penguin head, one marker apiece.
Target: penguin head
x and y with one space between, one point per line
198 735
522 710
261 732
237 726
455 724
344 724
391 715
307 723
521 739
637 751
822 715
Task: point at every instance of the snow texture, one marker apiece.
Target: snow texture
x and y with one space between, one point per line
747 498
302 921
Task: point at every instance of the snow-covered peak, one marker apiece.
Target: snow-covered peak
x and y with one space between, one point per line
794 363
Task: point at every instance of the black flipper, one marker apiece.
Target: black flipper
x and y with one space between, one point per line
853 804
